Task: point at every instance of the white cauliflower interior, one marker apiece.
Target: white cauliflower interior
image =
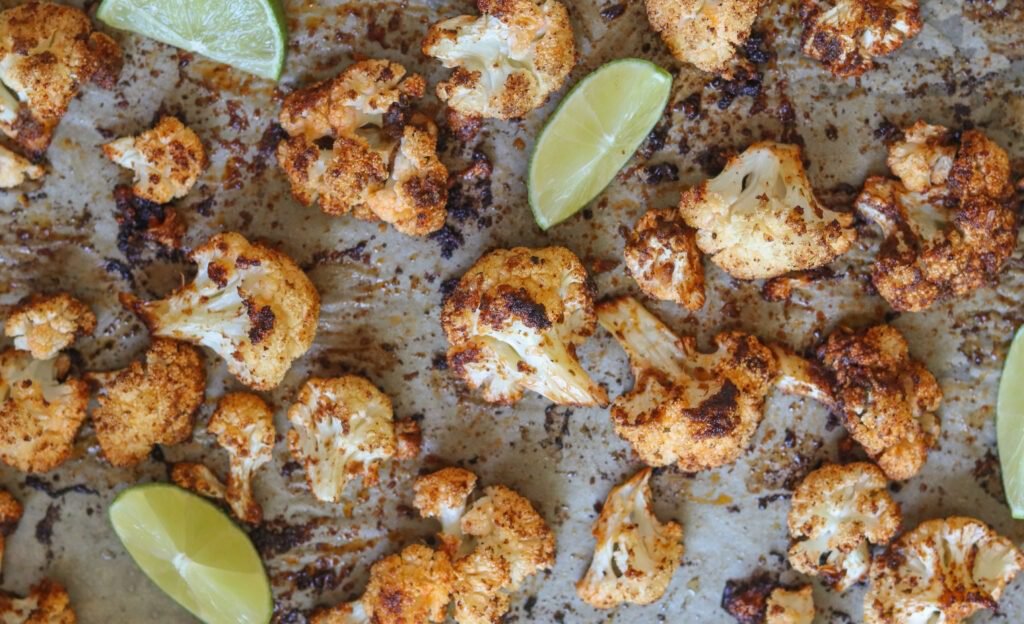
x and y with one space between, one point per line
15 170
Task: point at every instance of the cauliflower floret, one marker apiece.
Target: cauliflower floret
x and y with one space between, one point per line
636 554
943 572
759 218
199 479
704 34
248 303
15 170
342 428
802 377
408 588
836 511
47 52
354 147
443 495
846 35
41 410
952 237
514 321
152 401
662 256
790 606
478 590
886 398
167 160
10 514
923 158
46 603
686 407
44 325
507 61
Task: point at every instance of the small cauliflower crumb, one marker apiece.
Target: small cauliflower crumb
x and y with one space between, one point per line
704 34
846 35
167 160
10 514
662 256
15 170
46 603
924 157
44 325
790 606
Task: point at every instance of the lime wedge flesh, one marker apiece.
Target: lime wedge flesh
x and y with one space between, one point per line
593 132
1010 425
193 552
247 34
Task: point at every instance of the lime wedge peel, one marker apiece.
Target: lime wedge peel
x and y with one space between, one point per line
594 131
1010 425
250 35
193 552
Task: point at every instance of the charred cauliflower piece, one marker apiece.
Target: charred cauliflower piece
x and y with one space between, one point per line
41 410
152 401
636 554
836 512
514 321
662 256
248 303
15 170
846 35
943 571
443 495
790 606
952 236
47 52
10 514
704 34
167 160
46 603
355 147
507 61
760 219
44 325
697 410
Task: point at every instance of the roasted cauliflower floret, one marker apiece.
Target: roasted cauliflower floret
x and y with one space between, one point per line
514 321
41 410
47 52
693 409
759 218
152 401
355 147
636 554
790 606
836 511
10 514
662 256
167 160
248 303
943 571
15 170
704 34
44 325
443 495
846 35
507 61
46 603
954 235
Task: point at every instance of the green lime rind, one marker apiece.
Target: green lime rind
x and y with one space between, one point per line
1010 425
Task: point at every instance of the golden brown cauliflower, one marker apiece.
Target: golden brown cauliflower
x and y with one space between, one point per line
943 571
662 256
443 495
152 401
760 219
41 410
635 555
167 160
836 511
10 514
47 52
953 236
47 603
704 34
507 61
44 325
15 170
250 304
355 147
846 35
790 606
693 409
514 321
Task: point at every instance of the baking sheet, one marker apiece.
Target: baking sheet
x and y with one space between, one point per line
382 297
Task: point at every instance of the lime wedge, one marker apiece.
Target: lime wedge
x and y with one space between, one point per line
194 553
1010 425
248 34
593 132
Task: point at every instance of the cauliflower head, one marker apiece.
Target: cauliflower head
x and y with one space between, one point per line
943 571
167 160
443 495
45 325
636 554
790 606
353 146
46 603
836 511
760 219
662 256
41 411
693 409
846 35
10 514
704 34
951 237
199 479
342 428
47 52
514 321
15 170
507 61
250 304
